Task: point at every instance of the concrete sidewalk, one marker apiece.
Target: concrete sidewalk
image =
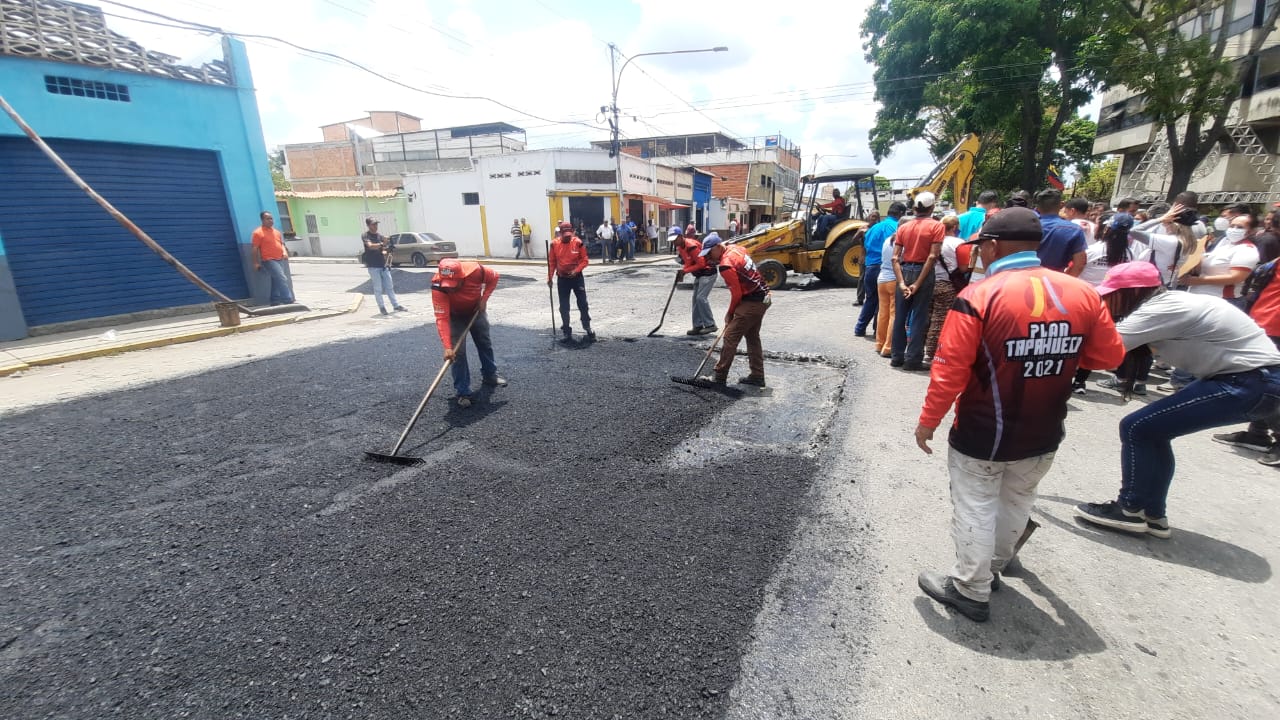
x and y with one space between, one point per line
64 347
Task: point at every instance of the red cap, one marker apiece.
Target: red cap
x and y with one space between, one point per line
1138 274
449 272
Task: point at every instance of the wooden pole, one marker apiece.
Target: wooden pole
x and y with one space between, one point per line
111 209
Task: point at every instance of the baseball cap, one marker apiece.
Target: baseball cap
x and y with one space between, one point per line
1013 223
1137 274
690 229
450 273
1121 221
709 242
371 221
925 200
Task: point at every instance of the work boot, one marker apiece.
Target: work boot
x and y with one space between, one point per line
695 331
941 588
709 329
567 332
464 401
715 379
757 380
591 334
495 381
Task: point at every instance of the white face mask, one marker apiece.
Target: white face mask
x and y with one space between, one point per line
1221 224
1235 234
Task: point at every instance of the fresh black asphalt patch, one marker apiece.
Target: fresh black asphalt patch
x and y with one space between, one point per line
217 546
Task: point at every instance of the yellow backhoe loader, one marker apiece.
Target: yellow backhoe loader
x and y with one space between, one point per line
956 169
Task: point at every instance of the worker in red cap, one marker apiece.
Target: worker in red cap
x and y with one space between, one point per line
460 290
566 259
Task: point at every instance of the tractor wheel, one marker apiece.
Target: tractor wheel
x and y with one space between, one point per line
773 272
842 264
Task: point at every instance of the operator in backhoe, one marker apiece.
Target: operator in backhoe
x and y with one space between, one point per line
835 213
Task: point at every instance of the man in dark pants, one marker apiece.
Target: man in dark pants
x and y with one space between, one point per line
566 259
749 300
872 246
916 247
459 291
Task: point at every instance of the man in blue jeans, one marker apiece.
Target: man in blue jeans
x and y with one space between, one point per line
1239 381
377 260
872 246
460 291
916 247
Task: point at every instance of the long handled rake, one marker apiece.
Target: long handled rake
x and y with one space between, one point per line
664 307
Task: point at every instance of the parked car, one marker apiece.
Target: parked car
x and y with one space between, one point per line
421 249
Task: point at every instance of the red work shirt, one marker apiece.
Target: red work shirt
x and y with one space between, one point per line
268 243
566 259
690 251
917 237
836 206
1266 309
477 284
741 276
1009 350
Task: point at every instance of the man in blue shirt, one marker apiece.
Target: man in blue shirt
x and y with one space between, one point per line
872 245
971 222
1064 247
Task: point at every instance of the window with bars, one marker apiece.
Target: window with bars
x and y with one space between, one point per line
75 87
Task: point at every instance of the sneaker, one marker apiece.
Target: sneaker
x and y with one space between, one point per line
1245 439
1159 527
709 329
896 363
383 311
1169 388
401 308
694 331
495 381
941 588
757 380
1110 514
1078 387
464 401
1139 388
1110 383
1272 457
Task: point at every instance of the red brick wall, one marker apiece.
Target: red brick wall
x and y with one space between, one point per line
320 162
736 183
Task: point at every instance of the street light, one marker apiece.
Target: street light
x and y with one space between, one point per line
615 149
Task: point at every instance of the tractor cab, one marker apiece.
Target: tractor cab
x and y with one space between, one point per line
823 214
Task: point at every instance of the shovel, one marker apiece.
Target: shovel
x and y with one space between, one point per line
394 457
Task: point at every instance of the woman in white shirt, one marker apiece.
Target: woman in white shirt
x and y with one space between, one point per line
1171 240
1113 247
1223 269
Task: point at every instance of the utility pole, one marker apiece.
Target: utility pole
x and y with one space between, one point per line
615 148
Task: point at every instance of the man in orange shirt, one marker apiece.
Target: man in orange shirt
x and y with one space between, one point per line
460 290
566 259
269 253
749 299
1008 352
689 251
916 247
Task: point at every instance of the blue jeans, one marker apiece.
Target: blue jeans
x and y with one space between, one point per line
627 249
702 315
281 293
382 284
915 310
871 303
608 249
484 347
578 286
1146 452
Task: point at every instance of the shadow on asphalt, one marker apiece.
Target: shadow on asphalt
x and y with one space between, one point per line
1019 629
1186 548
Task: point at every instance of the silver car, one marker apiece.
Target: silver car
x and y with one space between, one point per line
421 249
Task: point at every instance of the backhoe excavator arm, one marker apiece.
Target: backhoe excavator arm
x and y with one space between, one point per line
956 169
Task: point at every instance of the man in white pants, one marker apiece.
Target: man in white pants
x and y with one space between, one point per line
1009 350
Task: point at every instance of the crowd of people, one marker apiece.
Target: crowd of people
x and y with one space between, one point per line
1011 308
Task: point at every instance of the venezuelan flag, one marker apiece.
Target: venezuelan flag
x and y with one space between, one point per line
1054 179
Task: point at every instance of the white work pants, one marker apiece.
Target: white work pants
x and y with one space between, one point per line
991 502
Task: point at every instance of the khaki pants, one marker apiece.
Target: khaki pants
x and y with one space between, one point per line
884 321
991 502
745 324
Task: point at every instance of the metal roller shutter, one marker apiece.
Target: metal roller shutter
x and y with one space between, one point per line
71 261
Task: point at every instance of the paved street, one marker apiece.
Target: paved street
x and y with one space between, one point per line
195 533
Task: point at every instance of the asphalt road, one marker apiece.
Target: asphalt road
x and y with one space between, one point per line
216 546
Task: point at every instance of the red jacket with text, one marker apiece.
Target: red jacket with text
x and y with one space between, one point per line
477 284
566 259
1009 349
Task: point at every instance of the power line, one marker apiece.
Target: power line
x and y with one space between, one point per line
188 25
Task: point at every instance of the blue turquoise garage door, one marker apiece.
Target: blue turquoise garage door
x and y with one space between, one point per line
71 261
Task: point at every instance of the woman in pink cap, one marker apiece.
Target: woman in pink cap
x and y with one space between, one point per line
1238 380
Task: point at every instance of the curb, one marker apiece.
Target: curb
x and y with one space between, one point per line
193 336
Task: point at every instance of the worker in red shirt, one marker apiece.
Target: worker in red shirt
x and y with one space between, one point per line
269 252
689 250
749 299
460 290
1009 350
916 247
566 259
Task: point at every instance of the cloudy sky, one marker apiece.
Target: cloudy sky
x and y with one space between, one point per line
793 68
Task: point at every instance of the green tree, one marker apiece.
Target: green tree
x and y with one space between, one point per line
1075 145
1175 54
1099 182
275 162
948 68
